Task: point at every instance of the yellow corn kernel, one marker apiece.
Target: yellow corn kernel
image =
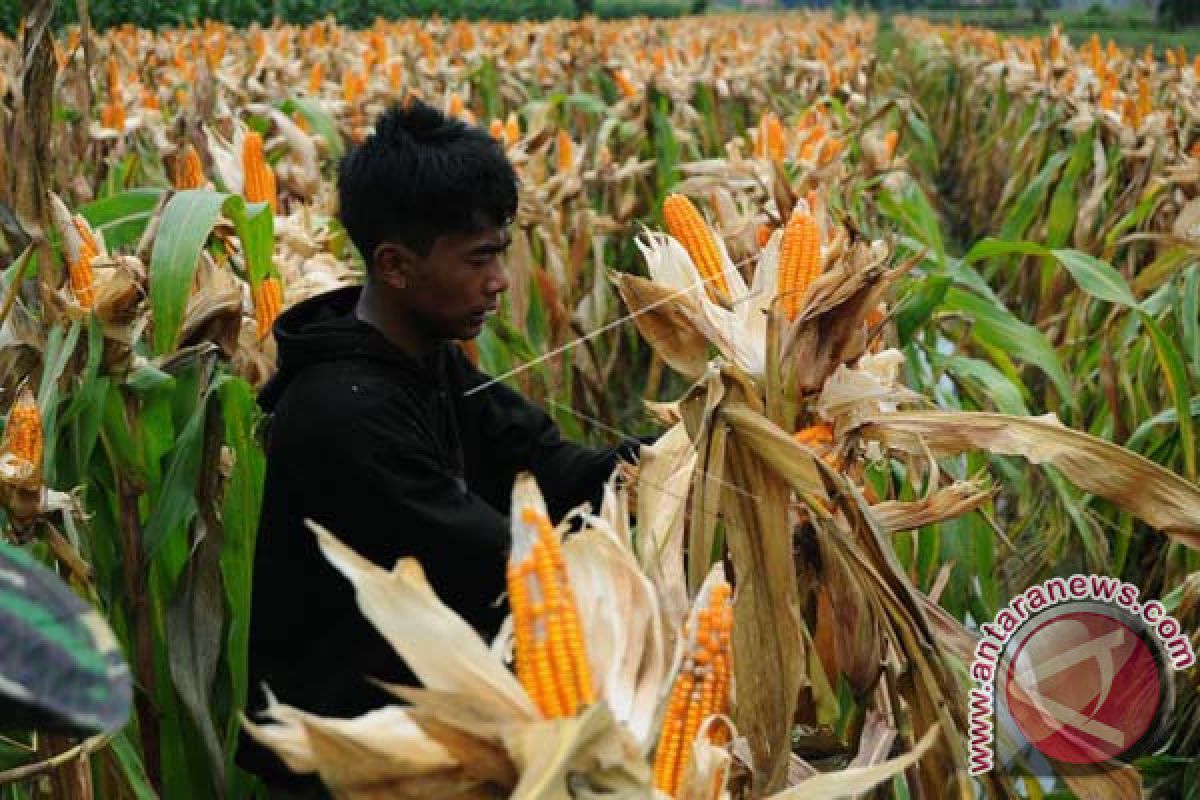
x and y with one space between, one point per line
23 440
260 178
189 172
799 261
316 78
268 303
684 223
395 75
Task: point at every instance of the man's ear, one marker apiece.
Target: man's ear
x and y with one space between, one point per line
394 264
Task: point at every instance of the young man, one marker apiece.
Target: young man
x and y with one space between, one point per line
371 432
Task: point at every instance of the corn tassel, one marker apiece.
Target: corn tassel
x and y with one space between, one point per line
260 178
189 172
684 223
799 261
701 688
551 658
268 303
22 444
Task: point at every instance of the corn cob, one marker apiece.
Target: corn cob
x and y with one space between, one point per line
1145 104
564 151
813 435
762 234
79 271
353 86
771 131
799 261
316 77
113 74
260 178
22 441
395 75
701 688
624 84
454 107
268 303
512 129
684 222
496 130
551 658
832 149
890 140
189 172
112 115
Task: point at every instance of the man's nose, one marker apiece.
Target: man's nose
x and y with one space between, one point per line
497 281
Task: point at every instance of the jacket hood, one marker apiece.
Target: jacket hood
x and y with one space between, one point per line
325 328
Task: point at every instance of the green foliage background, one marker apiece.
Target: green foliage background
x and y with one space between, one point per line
359 13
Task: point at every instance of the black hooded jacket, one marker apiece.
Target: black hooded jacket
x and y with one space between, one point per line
387 453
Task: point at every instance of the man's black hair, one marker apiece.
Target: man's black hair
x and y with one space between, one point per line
419 176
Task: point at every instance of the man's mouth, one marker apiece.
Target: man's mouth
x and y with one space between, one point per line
478 317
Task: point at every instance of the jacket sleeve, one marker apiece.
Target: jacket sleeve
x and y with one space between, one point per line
407 504
521 436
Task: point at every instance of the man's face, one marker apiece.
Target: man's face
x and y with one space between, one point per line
456 286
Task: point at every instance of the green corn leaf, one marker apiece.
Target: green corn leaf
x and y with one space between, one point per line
187 222
1006 396
122 217
320 121
1031 200
1171 362
996 326
1096 277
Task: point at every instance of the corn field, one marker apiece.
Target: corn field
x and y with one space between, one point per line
916 330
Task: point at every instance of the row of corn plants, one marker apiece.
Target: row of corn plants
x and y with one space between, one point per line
1060 177
144 275
769 471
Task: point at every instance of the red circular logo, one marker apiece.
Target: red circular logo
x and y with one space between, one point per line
1083 687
